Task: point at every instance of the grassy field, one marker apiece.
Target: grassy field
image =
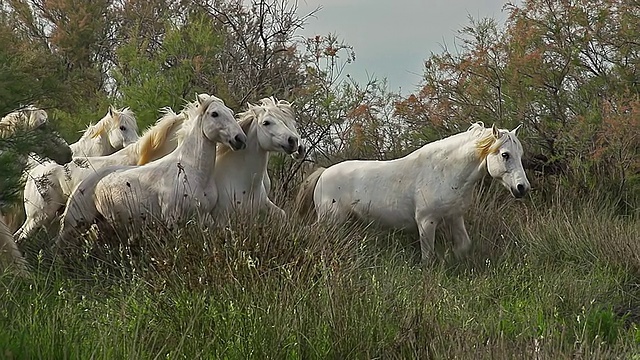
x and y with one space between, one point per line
546 282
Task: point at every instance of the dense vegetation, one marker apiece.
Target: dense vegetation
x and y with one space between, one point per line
553 276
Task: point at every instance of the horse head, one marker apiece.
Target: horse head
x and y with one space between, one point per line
218 122
121 128
275 126
504 160
32 123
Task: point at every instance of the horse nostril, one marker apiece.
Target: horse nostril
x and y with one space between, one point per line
292 141
520 188
239 138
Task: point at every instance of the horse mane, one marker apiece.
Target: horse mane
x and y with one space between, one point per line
108 122
17 118
9 123
156 135
488 143
282 108
192 110
128 118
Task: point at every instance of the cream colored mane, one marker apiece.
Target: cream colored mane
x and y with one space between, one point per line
282 109
108 122
192 110
157 135
488 143
15 119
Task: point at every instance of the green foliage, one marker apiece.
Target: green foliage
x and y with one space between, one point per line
565 71
27 74
554 276
147 81
274 289
561 69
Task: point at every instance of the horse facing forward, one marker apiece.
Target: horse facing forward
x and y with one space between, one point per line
169 189
417 192
49 185
241 176
116 130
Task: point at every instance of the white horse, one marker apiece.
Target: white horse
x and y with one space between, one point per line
417 192
241 176
169 189
32 124
29 117
29 120
117 129
49 186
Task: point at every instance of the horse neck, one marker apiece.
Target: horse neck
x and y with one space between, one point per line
457 157
88 146
196 150
250 161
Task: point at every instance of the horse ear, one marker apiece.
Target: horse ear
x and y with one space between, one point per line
111 111
496 132
202 97
258 110
516 129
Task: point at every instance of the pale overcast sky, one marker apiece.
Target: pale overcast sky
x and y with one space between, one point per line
392 38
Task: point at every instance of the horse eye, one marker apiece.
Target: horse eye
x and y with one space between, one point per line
505 156
214 114
122 128
266 123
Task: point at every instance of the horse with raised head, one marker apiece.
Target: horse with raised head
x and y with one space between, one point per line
32 121
417 192
49 186
116 130
45 143
31 125
169 190
241 176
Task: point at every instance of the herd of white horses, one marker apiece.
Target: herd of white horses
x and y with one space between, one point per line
208 162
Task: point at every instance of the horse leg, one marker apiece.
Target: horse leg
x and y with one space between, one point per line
427 229
76 220
38 215
461 240
42 201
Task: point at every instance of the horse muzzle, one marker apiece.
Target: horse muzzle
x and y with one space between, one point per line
300 154
239 142
519 191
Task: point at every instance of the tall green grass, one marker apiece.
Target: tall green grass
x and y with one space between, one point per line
549 282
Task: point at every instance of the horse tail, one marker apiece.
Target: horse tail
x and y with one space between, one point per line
9 252
15 216
304 199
